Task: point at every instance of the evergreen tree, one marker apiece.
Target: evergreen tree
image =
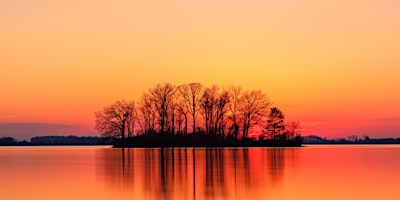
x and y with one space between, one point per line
275 123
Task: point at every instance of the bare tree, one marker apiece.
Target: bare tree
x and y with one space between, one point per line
172 116
253 107
116 120
213 108
352 138
148 113
132 119
182 116
292 129
234 94
136 120
162 97
208 107
191 94
221 109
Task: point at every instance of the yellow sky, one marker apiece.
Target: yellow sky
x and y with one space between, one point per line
333 65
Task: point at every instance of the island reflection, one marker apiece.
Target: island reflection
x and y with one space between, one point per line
188 173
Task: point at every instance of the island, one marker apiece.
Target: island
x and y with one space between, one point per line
202 140
194 115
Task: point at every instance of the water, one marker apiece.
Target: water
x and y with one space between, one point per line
311 172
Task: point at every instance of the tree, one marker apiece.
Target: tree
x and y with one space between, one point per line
275 123
213 107
234 95
182 115
116 120
132 119
352 138
161 97
7 141
172 114
253 106
148 113
221 108
292 129
207 103
191 95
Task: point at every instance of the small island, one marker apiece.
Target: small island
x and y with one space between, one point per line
202 140
192 115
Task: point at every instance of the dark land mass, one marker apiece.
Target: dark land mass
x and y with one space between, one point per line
153 140
189 140
312 139
56 140
201 140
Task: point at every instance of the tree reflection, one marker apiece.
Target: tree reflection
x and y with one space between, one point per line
215 177
276 164
117 167
187 173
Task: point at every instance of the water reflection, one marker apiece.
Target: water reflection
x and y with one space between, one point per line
367 172
186 173
277 164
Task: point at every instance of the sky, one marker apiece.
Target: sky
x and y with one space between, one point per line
332 65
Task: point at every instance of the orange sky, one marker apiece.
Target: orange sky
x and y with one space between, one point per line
333 65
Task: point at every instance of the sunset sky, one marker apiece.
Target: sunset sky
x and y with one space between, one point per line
332 65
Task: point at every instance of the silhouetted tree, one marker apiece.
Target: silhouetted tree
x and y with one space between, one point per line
207 103
221 109
136 120
173 113
116 120
234 95
213 104
292 129
275 123
191 94
7 141
132 119
182 116
352 138
253 107
162 98
148 113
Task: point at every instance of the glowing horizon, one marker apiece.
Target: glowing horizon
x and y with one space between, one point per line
333 66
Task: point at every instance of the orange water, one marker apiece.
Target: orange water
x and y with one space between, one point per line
311 172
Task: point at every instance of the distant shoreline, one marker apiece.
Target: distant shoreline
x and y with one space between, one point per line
153 141
303 145
312 139
188 141
57 141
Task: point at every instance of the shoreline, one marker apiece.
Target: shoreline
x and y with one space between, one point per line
112 146
200 140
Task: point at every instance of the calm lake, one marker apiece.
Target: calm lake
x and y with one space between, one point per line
310 172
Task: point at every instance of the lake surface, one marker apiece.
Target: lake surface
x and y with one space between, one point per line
311 172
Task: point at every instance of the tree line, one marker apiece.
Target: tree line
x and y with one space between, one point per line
229 112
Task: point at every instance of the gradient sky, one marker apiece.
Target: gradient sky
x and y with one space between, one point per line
332 65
